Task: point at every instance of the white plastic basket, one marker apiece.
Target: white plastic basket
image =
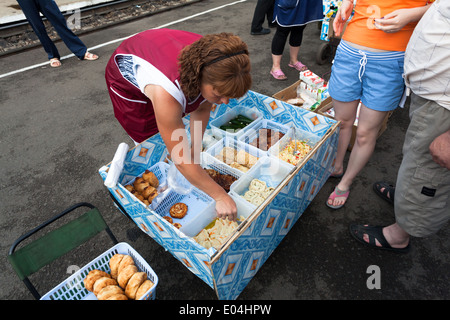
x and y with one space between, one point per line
251 113
253 133
197 202
236 145
73 287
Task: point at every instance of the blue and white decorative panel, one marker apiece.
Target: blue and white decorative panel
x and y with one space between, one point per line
231 268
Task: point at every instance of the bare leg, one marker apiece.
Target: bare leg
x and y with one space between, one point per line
366 136
276 62
346 113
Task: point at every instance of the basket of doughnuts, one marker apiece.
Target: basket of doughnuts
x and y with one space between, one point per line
118 274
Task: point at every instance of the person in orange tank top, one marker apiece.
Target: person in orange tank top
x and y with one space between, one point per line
366 77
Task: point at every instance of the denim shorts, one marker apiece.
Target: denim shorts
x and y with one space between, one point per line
375 78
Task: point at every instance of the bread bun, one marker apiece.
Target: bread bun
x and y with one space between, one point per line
109 291
126 274
134 283
151 178
93 276
126 261
125 281
114 264
145 286
119 296
103 282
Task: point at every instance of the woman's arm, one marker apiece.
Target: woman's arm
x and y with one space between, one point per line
169 115
198 121
396 20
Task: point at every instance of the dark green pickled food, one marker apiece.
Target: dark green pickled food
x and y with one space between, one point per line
237 123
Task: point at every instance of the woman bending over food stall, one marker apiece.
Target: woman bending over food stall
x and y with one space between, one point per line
158 76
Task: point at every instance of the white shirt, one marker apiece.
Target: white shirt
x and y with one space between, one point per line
427 56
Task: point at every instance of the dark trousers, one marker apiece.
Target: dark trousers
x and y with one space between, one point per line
279 39
263 9
50 10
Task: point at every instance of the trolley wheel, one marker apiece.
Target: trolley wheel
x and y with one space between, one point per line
324 54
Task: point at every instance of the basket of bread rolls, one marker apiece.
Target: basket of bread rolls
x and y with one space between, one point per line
118 274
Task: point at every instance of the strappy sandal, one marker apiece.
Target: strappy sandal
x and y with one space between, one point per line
55 63
278 74
374 233
90 56
298 66
388 192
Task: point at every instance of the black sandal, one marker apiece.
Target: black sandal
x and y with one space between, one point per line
388 192
374 233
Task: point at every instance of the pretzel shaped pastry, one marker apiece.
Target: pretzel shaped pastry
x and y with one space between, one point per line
178 210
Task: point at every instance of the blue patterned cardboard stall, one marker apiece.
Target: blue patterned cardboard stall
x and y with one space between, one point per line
230 268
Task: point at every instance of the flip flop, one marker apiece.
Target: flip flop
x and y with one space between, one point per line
387 194
55 63
90 56
374 233
298 66
278 74
338 194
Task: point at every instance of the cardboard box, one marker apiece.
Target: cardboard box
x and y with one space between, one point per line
291 93
229 268
328 104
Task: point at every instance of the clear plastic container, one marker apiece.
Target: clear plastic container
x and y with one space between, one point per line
235 151
293 134
250 135
251 113
270 170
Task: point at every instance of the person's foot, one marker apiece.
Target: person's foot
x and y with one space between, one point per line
90 56
385 191
298 66
261 32
391 238
55 63
278 74
338 198
337 174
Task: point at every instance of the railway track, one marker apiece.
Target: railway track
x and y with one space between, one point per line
18 36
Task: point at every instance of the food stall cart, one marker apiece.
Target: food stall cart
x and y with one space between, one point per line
229 266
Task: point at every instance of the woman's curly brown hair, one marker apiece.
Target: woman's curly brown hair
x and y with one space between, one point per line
230 76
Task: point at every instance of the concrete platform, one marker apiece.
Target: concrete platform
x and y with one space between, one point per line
57 129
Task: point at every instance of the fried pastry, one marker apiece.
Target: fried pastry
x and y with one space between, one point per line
134 283
125 275
103 282
126 261
93 276
114 264
178 210
109 291
151 178
145 286
119 296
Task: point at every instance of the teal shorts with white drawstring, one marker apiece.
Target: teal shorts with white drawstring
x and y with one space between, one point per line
375 78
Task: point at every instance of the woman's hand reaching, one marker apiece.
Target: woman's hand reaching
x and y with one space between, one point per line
226 208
